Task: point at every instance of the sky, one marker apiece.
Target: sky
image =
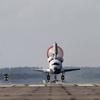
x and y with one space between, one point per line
29 27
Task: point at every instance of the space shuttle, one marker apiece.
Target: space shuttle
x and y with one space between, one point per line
55 59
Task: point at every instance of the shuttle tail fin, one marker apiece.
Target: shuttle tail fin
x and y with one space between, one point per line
55 46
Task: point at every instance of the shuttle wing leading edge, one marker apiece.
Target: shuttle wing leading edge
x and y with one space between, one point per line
68 70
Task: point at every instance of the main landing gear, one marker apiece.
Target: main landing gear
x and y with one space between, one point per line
62 77
6 77
48 77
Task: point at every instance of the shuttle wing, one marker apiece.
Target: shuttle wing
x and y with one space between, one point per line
63 71
70 69
42 70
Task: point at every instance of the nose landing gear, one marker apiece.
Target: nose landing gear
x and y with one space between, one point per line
55 78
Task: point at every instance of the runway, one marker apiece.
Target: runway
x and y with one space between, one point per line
50 92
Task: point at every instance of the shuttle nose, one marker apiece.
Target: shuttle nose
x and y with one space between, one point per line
57 70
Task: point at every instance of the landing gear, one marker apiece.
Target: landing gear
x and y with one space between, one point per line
55 78
48 77
6 77
62 77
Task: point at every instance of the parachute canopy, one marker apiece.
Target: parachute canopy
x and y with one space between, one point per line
50 52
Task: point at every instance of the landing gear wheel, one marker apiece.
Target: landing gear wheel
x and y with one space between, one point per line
6 77
62 77
48 77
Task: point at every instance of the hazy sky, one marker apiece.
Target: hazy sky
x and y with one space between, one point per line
28 27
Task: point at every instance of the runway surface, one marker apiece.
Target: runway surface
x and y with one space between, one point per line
50 92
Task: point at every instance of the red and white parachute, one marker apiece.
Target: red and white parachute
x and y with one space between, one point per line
50 52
